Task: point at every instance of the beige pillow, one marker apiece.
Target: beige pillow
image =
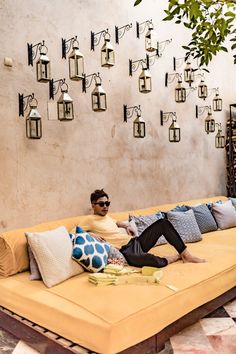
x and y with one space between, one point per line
225 214
52 250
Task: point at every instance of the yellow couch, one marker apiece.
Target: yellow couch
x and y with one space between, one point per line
111 319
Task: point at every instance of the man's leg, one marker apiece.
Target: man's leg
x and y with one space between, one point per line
151 234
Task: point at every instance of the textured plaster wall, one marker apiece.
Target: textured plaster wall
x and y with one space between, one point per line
52 178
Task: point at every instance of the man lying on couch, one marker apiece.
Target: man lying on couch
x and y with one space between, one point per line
134 249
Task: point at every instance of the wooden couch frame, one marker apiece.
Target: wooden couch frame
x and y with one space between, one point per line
46 342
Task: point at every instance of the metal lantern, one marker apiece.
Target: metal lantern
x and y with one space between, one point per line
76 63
209 123
151 43
217 103
188 74
107 52
65 110
180 92
99 100
139 130
33 122
219 139
202 90
43 66
174 131
145 81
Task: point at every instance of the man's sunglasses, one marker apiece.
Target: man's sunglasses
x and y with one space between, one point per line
101 204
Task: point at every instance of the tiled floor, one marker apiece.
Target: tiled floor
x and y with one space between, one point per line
214 334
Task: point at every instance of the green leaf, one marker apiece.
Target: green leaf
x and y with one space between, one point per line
137 2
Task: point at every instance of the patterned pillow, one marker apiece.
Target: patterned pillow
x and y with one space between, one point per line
224 214
186 225
115 256
143 221
204 218
89 252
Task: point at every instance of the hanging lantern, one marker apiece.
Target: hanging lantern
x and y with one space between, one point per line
202 90
33 122
151 43
65 110
219 139
99 100
107 52
145 81
76 63
217 103
43 66
174 131
209 123
139 130
180 92
188 74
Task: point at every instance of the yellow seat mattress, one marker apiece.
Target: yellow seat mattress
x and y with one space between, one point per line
110 319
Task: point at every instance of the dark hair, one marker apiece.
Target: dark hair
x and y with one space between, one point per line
98 193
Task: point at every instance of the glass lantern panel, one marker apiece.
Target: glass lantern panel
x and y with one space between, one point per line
145 84
139 129
217 104
99 102
180 94
65 111
202 91
151 41
188 75
220 141
76 68
43 71
108 57
210 126
33 128
174 135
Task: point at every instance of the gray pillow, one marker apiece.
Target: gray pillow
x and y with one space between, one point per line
143 221
224 214
204 218
34 269
186 225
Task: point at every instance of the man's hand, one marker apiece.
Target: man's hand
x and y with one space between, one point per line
130 230
99 238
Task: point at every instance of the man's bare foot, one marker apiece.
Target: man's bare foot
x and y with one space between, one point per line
187 257
172 259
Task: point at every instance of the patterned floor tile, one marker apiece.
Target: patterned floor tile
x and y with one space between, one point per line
221 312
23 348
218 326
7 342
223 344
231 308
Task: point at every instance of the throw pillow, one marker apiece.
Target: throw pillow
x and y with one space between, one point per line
143 221
186 225
224 214
204 218
233 200
52 250
34 269
116 257
89 252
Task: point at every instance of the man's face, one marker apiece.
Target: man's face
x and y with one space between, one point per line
101 206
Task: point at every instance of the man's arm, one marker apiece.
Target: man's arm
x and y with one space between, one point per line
125 225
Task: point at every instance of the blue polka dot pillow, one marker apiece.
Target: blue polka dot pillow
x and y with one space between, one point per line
88 251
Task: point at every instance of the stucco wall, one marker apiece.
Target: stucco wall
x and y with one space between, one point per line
53 177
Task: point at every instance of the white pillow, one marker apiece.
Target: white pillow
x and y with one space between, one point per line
53 250
224 214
